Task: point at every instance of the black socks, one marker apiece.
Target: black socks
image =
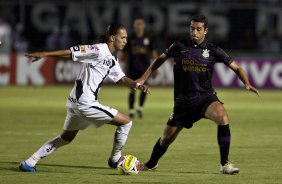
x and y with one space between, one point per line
223 139
157 153
142 99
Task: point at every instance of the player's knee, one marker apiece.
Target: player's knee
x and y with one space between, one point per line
67 139
129 124
126 120
68 136
222 119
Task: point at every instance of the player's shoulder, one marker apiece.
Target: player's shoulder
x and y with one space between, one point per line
216 50
100 48
212 46
178 44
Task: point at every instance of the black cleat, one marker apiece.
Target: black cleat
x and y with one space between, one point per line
131 115
144 167
140 114
112 164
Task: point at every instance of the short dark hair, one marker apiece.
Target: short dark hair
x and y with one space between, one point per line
200 18
112 29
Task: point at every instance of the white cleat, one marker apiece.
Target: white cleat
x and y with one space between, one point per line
229 168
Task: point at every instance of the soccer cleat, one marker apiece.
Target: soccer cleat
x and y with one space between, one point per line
131 115
145 168
140 114
26 168
112 164
228 168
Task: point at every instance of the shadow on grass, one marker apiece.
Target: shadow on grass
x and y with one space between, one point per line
14 166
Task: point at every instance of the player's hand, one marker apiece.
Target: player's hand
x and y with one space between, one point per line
143 88
252 89
35 56
140 81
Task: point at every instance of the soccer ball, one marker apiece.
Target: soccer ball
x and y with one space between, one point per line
128 165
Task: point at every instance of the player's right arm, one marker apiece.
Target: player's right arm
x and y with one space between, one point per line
153 67
34 56
77 53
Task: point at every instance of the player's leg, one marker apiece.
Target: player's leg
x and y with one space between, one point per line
169 135
98 115
131 101
48 148
142 99
123 124
73 124
217 113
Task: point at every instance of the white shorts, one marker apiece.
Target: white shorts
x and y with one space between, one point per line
79 118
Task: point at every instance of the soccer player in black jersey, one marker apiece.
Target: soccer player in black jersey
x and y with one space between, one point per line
194 96
139 51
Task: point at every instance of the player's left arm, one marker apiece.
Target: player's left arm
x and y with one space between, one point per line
243 77
134 85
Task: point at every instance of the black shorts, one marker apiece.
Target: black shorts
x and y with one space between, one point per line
185 115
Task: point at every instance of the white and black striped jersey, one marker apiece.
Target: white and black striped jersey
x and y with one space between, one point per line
97 64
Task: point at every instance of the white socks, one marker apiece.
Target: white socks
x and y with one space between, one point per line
119 140
131 111
45 150
140 108
50 146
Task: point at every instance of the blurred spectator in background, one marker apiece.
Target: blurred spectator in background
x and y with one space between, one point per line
138 53
65 39
5 36
20 43
53 39
269 42
59 38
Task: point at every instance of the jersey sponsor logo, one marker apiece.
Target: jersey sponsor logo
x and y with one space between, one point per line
206 53
73 100
76 48
189 65
82 48
93 47
108 62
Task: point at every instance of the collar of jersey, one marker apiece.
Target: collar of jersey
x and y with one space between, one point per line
201 45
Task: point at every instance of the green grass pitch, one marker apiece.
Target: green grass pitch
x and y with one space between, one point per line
29 116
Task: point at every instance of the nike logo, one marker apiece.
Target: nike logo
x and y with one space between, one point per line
185 50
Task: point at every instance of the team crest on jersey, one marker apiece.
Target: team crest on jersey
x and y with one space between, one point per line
146 41
206 53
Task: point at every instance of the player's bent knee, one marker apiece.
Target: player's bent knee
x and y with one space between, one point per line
222 120
129 124
120 119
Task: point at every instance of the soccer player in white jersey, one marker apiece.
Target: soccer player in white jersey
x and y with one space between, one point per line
98 62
